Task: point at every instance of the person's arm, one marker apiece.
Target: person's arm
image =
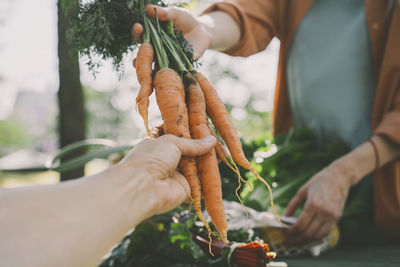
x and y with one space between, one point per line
216 30
224 31
76 223
325 194
239 28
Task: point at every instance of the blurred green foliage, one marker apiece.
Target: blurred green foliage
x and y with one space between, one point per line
103 119
254 125
299 155
13 136
161 241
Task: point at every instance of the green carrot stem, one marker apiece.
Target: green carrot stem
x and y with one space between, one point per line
184 58
173 53
161 56
177 47
146 30
170 28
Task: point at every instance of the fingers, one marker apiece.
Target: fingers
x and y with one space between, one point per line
323 230
183 20
309 234
172 191
192 147
299 198
305 219
316 230
136 33
163 14
183 184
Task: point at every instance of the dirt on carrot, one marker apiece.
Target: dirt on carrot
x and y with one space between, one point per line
170 96
207 164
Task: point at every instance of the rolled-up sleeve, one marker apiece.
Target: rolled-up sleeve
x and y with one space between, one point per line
390 124
258 22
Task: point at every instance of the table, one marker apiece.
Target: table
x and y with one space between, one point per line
363 256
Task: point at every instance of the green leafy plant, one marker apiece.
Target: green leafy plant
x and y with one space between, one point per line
102 32
171 244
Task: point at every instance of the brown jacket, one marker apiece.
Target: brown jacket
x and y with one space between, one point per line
261 20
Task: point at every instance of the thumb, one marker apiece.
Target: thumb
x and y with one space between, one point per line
136 33
296 201
194 147
162 13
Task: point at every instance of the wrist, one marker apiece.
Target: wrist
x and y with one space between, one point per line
207 24
131 190
346 171
223 32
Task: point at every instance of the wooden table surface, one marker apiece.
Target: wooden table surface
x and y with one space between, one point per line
363 256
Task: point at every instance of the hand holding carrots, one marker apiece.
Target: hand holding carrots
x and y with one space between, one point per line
193 30
156 162
185 98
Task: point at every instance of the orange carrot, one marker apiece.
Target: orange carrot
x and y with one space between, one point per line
221 152
217 112
222 155
170 96
219 116
157 131
143 64
207 164
227 159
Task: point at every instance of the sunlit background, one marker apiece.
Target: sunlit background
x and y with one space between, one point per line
29 84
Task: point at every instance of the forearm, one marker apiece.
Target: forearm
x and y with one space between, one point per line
70 224
224 31
362 161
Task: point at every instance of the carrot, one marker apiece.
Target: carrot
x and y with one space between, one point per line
222 155
219 116
143 64
170 96
207 164
157 131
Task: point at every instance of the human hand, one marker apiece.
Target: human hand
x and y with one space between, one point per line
193 30
155 163
324 196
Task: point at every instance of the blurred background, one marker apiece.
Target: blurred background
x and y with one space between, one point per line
50 100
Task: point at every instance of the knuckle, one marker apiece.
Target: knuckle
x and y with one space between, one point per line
168 138
336 215
313 206
308 235
299 227
171 13
302 190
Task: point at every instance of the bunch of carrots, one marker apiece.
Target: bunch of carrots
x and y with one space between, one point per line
186 100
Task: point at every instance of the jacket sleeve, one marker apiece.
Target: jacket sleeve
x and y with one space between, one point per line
390 124
258 22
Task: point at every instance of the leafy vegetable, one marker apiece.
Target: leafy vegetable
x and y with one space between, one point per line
298 157
102 29
163 242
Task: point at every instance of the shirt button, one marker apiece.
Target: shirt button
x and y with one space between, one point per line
375 25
